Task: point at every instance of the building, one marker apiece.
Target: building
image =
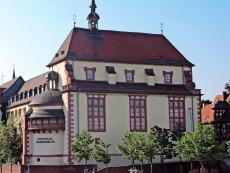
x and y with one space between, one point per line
217 113
106 82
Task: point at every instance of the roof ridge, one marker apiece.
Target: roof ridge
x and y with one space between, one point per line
118 31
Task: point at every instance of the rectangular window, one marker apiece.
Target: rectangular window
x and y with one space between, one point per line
138 118
168 77
129 76
90 73
176 112
219 114
187 77
96 113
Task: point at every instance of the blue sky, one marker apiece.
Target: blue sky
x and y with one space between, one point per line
32 30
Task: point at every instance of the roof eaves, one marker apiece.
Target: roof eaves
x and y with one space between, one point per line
189 63
54 61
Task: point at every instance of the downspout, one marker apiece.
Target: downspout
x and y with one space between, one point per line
78 92
192 111
78 128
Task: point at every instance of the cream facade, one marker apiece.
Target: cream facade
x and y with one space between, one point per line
139 77
105 82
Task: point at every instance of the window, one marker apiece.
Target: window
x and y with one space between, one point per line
168 77
176 112
96 113
187 77
129 76
40 89
21 96
137 108
25 94
219 114
90 73
223 130
35 91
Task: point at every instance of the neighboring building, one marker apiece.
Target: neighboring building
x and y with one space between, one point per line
218 113
106 82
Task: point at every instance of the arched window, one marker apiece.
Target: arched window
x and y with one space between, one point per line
17 97
35 91
44 87
25 94
21 96
52 80
40 89
12 99
30 93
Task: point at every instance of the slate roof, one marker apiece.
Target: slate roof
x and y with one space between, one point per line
47 113
8 84
120 47
30 84
49 97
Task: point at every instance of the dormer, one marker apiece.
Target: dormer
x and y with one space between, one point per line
150 76
111 75
52 80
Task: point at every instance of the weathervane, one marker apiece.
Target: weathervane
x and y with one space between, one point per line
162 28
74 20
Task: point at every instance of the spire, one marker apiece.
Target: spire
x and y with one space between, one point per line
14 76
93 17
93 6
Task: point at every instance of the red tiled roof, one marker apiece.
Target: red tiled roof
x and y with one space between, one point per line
114 46
217 98
207 114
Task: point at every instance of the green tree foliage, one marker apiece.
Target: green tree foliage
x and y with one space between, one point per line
199 145
139 146
10 144
82 147
100 153
132 146
151 147
165 140
228 145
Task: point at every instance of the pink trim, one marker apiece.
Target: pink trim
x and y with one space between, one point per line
70 126
24 159
199 109
132 72
86 69
133 108
97 97
166 75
